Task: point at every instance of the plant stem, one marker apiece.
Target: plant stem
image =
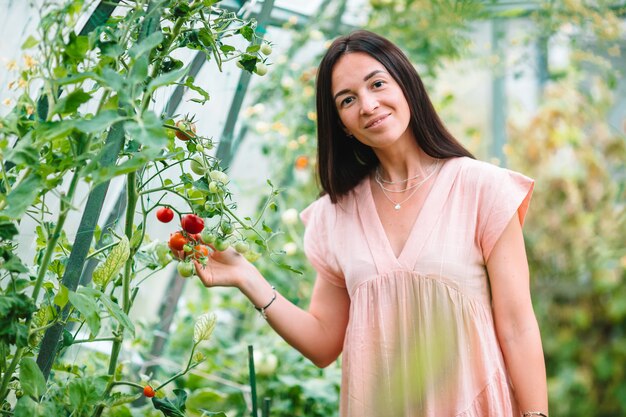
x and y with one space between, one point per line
43 268
131 191
183 372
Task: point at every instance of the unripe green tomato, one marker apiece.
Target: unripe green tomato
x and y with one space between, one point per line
218 176
252 256
213 187
260 69
221 244
265 364
242 246
210 206
19 393
199 148
68 339
266 49
185 269
226 227
187 248
208 237
197 165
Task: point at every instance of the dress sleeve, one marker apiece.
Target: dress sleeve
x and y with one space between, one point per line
317 241
508 192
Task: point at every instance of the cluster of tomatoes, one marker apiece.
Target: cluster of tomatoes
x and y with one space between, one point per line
195 242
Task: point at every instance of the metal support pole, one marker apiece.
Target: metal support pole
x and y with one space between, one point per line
498 91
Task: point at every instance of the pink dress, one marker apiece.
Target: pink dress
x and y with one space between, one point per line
421 339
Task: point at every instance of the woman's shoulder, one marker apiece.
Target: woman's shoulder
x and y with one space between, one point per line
482 173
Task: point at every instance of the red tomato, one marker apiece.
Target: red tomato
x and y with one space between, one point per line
165 214
188 129
192 223
200 251
148 391
177 241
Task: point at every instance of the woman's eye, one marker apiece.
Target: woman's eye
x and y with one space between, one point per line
378 83
346 101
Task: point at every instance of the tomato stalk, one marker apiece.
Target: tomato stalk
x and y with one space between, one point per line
65 204
189 366
131 195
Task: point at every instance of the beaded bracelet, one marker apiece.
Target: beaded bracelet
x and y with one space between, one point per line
533 413
262 309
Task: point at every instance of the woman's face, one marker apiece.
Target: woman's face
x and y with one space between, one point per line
370 103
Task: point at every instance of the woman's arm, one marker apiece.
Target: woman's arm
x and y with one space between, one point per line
317 333
516 324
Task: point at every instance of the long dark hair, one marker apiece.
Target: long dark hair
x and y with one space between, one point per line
342 161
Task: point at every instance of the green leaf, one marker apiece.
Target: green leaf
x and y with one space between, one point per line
112 264
77 47
14 309
65 79
253 49
139 70
25 407
206 37
49 131
7 230
23 153
112 307
201 397
146 45
62 296
172 408
117 313
247 32
114 80
32 380
203 328
100 175
88 309
148 130
289 268
71 102
30 42
205 95
167 78
227 49
21 197
99 123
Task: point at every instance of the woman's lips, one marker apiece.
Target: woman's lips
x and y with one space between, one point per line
377 121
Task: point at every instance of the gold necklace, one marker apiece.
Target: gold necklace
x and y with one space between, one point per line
398 205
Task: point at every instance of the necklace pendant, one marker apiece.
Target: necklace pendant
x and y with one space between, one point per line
397 206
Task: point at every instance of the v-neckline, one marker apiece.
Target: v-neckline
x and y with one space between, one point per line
377 237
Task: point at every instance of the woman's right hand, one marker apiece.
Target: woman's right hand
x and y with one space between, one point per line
224 269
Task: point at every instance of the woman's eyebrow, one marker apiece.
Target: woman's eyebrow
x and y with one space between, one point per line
367 77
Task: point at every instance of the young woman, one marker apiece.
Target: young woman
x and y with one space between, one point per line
423 281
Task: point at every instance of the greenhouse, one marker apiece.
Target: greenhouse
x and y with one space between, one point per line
313 208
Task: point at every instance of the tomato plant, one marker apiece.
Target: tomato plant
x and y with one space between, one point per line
86 115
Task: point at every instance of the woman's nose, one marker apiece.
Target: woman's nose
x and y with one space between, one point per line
368 104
